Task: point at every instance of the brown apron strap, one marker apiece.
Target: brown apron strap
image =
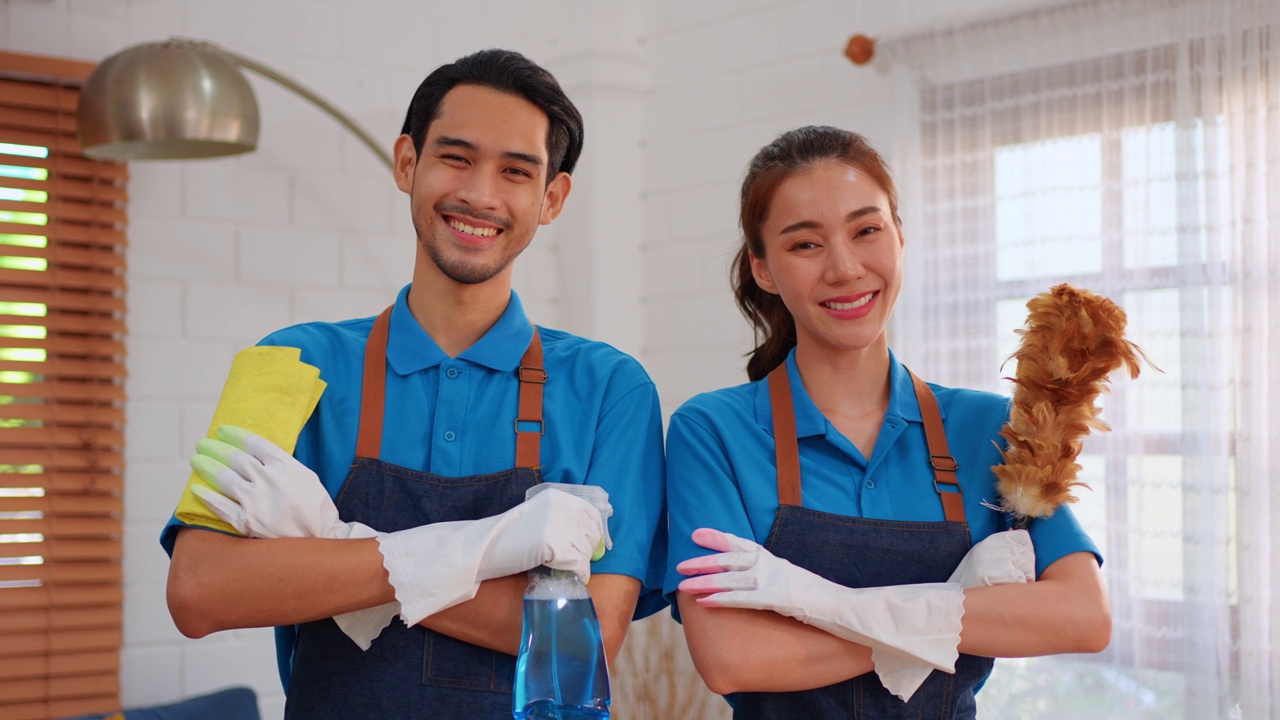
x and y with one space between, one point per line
940 459
373 392
532 377
785 446
787 451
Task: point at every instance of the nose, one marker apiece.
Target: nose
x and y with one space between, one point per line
844 263
479 189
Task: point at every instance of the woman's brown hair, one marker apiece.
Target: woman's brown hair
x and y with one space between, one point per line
791 152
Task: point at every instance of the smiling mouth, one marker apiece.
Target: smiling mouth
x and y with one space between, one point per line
480 232
850 305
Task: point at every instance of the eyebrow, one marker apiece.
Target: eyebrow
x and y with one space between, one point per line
814 225
449 141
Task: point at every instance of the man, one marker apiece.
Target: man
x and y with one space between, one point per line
486 153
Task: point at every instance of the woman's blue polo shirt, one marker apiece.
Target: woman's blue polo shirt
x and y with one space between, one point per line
722 472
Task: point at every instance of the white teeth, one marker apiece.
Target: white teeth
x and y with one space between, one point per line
851 305
478 232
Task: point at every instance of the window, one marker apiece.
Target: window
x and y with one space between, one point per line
1150 178
61 400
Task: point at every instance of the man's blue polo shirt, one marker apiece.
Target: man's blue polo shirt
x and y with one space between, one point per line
722 473
455 417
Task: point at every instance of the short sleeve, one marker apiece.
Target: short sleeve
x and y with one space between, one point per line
701 492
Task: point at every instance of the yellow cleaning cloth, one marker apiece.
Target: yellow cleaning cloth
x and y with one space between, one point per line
269 391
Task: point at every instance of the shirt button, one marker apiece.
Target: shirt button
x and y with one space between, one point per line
871 484
450 435
451 373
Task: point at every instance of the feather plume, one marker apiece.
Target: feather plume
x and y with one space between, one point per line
1071 343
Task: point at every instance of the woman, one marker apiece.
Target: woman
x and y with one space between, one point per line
827 472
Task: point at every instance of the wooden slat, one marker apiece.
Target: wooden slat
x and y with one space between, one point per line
39 95
94 235
65 368
61 665
57 299
59 144
66 390
69 233
62 166
63 572
64 536
59 708
65 481
65 620
70 256
65 414
98 212
21 691
81 324
77 546
73 596
78 189
63 459
39 119
61 437
63 71
84 686
78 279
60 347
63 505
30 644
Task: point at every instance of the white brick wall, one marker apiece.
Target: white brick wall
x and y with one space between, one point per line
308 227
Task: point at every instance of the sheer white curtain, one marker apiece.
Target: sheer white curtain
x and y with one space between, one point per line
1131 148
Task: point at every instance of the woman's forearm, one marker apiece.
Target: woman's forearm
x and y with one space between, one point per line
762 651
1066 611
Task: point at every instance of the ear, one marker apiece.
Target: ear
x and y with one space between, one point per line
760 271
404 161
553 199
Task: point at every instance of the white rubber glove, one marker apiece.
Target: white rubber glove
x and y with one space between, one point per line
440 565
1002 558
264 492
917 622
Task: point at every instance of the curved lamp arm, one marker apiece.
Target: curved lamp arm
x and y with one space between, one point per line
306 93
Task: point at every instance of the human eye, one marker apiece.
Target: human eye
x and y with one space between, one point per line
519 172
452 158
868 231
802 245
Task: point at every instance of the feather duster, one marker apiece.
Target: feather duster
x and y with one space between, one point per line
1072 341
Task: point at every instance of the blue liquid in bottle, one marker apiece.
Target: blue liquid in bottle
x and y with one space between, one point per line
561 672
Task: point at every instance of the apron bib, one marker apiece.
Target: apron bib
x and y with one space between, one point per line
862 552
413 672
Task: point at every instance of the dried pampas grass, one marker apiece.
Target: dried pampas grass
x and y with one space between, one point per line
1072 341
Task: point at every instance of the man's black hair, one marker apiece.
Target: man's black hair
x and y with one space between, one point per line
508 72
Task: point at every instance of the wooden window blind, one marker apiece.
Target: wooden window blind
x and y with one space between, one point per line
62 397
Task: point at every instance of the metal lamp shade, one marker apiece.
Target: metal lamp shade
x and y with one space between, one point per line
164 100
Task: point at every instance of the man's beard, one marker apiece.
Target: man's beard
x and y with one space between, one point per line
458 269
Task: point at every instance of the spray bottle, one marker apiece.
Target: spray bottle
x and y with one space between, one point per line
561 671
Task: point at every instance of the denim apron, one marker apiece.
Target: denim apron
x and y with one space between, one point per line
413 672
863 552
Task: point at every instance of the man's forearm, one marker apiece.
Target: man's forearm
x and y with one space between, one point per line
493 618
219 582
